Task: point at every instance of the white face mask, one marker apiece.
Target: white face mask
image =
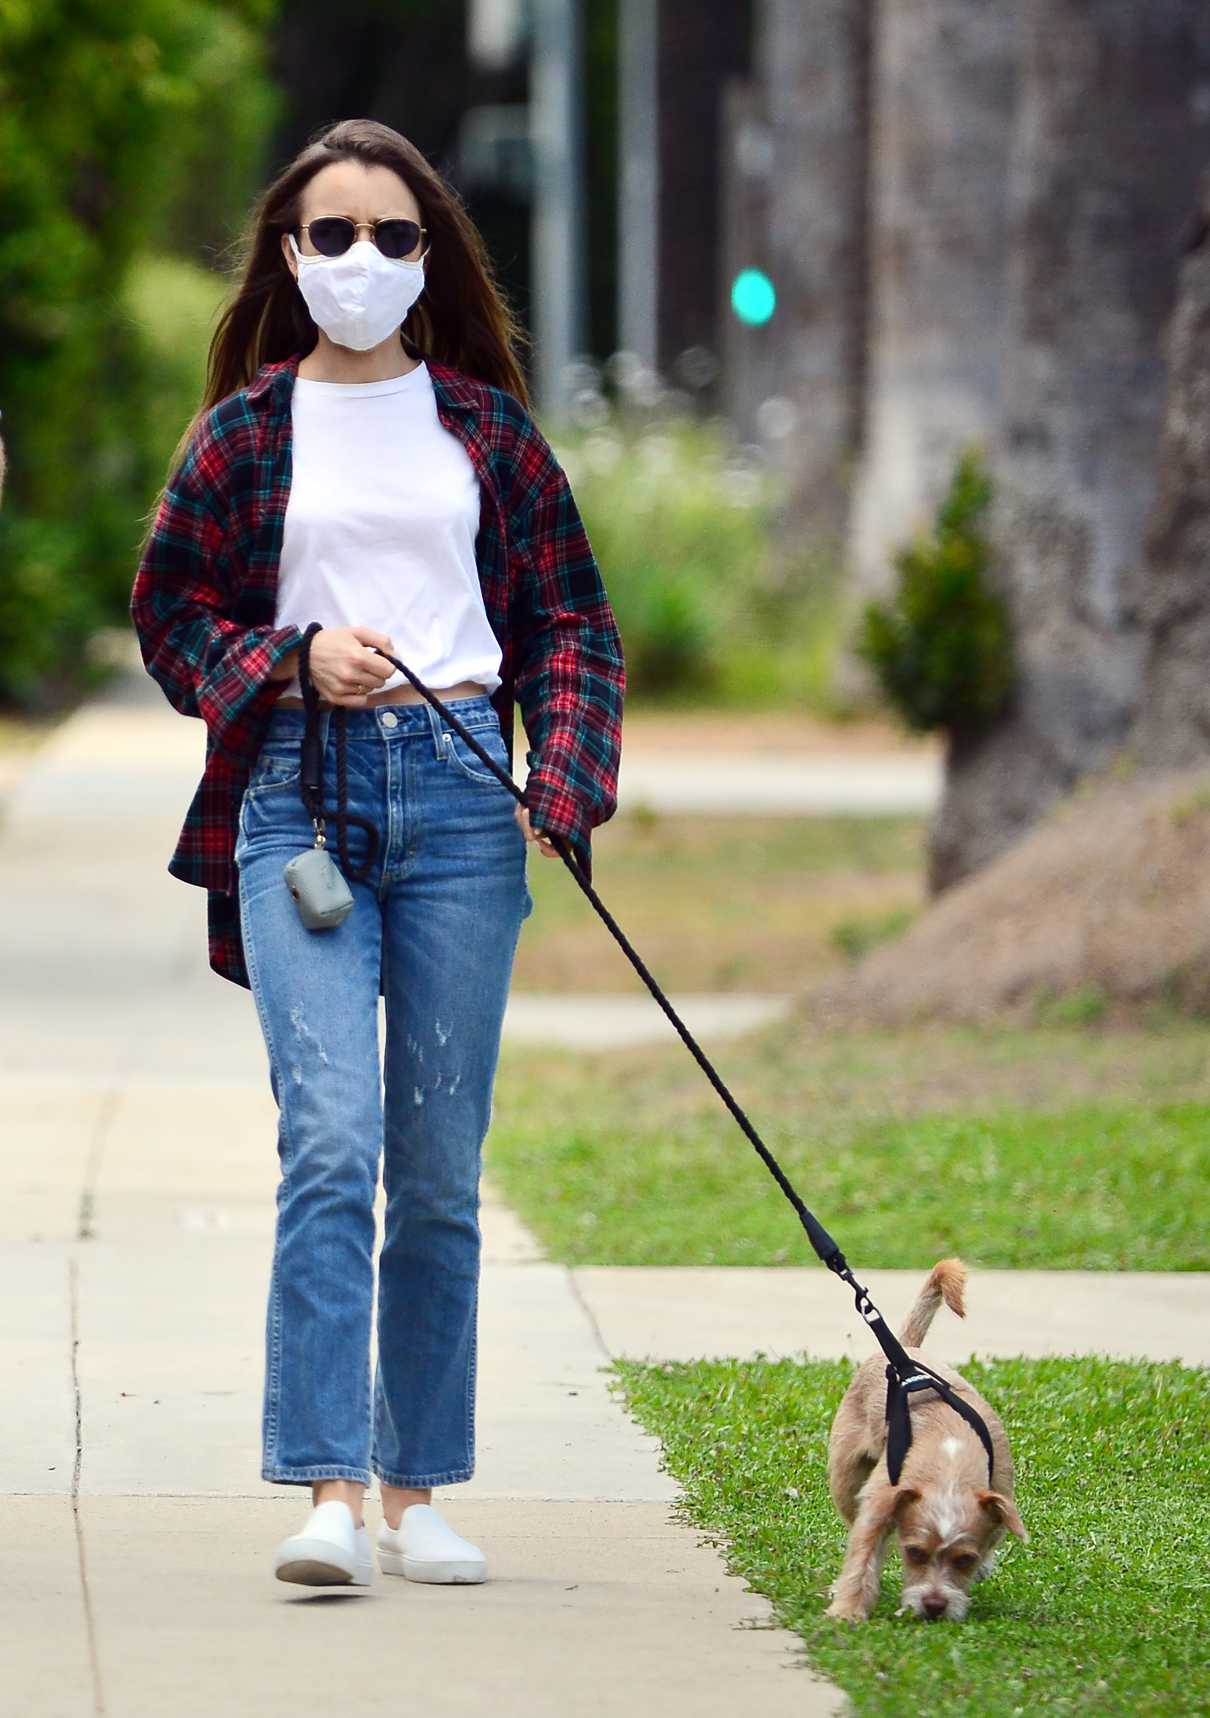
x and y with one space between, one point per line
360 297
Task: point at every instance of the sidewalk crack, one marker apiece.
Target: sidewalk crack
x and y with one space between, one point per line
98 1693
588 1312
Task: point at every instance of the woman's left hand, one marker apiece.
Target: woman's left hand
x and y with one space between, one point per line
545 846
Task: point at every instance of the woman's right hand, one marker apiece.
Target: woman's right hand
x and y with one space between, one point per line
342 669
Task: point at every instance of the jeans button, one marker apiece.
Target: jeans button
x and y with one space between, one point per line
390 718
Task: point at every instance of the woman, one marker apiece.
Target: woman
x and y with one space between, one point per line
364 458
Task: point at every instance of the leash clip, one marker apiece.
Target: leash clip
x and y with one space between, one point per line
867 1310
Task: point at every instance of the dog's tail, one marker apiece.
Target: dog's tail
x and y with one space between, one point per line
945 1283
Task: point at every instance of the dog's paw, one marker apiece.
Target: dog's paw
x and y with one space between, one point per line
846 1610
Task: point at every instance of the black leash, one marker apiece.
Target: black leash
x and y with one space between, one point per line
905 1376
311 779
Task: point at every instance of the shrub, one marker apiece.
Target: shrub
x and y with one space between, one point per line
942 648
123 123
681 524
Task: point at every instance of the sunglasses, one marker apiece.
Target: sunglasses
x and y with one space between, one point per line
333 234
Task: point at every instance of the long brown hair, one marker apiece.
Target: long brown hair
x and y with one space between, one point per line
462 318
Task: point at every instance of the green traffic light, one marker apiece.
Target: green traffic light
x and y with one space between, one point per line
752 296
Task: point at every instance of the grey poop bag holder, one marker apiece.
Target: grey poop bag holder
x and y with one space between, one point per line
325 900
320 890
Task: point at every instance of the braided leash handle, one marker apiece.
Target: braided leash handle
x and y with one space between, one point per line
311 777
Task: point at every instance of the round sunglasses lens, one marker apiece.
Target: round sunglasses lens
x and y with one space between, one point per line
397 239
332 236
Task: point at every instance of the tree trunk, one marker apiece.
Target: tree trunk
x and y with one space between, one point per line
943 96
814 66
1173 726
1112 130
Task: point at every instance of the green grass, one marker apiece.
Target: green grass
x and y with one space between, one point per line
855 937
907 1147
1104 1612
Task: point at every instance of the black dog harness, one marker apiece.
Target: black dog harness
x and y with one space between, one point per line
905 1376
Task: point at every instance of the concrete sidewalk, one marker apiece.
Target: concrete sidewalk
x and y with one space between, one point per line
155 752
135 1237
136 1228
125 764
761 786
687 1312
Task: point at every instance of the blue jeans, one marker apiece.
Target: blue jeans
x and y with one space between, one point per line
439 916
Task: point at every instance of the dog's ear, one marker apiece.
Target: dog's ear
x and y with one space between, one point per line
889 1501
1003 1510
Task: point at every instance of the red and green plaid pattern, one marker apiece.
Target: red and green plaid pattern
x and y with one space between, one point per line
204 600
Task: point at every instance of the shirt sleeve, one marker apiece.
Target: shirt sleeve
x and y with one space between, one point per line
570 676
207 663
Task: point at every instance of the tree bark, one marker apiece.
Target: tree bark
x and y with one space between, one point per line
1173 726
814 66
1112 130
944 82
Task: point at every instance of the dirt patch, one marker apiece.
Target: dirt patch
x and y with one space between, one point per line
1104 909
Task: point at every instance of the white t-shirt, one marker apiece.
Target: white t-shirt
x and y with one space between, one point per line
380 528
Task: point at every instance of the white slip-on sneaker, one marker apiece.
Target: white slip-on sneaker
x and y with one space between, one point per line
424 1547
328 1550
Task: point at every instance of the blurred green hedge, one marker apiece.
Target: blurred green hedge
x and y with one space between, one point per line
682 525
126 126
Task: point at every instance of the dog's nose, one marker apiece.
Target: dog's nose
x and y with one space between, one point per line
933 1607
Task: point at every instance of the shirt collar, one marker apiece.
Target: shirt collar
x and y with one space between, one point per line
452 386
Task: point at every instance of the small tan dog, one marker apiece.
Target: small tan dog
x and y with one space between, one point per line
948 1519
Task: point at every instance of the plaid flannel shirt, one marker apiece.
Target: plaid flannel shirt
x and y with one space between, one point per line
204 602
